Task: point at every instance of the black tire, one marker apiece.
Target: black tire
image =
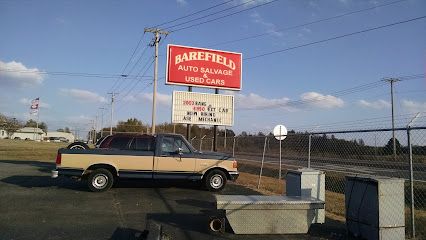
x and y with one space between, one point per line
78 145
100 180
215 180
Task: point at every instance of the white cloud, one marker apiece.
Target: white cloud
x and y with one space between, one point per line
254 101
321 101
182 2
16 74
26 101
270 27
83 95
379 104
413 106
162 99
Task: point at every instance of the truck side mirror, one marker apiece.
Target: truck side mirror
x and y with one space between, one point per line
179 151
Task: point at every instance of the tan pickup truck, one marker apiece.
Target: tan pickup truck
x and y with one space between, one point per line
160 156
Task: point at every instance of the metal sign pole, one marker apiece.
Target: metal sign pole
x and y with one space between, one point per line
280 153
280 133
263 159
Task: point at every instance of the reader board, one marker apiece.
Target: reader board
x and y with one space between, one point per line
203 108
200 67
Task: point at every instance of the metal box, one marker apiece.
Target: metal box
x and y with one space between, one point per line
307 182
258 214
375 207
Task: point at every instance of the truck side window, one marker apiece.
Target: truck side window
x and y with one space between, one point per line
171 144
143 144
167 146
180 144
120 142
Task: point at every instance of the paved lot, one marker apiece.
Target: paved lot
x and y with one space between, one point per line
34 206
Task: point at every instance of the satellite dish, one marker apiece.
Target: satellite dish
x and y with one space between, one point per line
280 132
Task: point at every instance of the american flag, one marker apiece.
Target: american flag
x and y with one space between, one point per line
34 106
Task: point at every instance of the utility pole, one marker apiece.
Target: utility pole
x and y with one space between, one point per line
391 81
113 94
96 127
102 120
157 32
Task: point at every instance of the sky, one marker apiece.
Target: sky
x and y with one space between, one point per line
76 49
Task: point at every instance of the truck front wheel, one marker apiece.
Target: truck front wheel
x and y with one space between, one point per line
215 180
100 180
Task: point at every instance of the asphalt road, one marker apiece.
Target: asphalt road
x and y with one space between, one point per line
34 206
348 166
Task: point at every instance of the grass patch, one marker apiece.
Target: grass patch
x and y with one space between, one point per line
29 150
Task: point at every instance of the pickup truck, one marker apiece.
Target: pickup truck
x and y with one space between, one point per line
160 156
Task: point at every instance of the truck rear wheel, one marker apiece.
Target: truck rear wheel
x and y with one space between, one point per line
100 180
215 180
78 145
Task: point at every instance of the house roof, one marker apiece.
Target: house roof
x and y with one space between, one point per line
30 130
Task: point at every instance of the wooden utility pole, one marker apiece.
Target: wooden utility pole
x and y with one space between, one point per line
113 94
391 81
157 32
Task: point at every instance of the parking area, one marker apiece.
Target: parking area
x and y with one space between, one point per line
34 206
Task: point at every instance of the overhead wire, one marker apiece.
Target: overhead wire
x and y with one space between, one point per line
306 24
218 18
336 37
71 74
192 14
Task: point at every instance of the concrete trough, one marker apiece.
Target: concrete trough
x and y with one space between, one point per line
257 214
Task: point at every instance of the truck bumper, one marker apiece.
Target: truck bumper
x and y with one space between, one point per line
54 174
234 175
71 172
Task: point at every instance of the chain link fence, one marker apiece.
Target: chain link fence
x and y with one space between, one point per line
338 154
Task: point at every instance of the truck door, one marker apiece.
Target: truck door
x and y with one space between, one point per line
137 160
174 159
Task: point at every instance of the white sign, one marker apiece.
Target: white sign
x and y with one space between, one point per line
280 132
203 108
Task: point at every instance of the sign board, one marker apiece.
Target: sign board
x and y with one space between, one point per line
203 108
200 67
280 132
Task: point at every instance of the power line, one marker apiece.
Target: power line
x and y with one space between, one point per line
134 66
130 59
72 74
360 88
337 37
192 14
307 23
215 19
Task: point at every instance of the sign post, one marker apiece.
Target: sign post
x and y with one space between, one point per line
280 133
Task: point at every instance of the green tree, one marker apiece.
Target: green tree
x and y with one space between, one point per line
32 123
388 149
131 125
66 129
9 124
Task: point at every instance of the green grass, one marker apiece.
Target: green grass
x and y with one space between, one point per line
29 150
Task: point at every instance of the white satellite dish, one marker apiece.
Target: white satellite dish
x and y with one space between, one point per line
280 132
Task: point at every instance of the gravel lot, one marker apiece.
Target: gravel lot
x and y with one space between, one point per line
34 206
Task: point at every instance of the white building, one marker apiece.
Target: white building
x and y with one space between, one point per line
56 135
29 133
3 134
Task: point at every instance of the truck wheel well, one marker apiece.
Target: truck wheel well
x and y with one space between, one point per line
104 166
220 169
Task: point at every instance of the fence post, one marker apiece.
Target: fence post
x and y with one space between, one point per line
201 142
233 147
309 150
212 145
263 159
410 151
